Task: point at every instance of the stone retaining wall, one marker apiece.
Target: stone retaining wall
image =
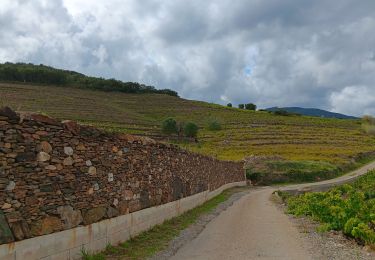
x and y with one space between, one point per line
94 238
56 176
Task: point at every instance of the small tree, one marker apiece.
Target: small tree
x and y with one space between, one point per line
190 130
368 124
250 106
180 128
229 105
241 106
169 126
214 125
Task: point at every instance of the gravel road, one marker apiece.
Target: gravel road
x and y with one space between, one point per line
253 227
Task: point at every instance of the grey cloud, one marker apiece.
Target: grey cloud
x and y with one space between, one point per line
277 52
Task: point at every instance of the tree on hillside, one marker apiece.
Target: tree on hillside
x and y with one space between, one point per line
190 130
214 125
229 105
250 106
169 126
241 106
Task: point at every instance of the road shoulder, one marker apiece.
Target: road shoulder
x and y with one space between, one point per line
195 229
331 245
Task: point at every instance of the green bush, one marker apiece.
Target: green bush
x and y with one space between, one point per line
345 208
241 106
229 105
254 177
169 126
214 125
368 124
250 106
283 113
190 130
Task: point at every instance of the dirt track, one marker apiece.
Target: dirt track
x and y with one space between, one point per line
253 228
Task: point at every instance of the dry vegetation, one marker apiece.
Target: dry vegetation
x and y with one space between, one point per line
243 132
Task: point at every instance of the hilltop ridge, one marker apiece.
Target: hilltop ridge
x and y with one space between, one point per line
311 112
41 74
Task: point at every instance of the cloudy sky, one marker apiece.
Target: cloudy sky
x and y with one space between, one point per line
271 52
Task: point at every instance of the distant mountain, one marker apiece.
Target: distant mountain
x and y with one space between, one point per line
311 112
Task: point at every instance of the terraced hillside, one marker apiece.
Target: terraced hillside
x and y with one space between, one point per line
244 132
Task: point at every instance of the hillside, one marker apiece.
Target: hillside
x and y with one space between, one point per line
244 132
311 112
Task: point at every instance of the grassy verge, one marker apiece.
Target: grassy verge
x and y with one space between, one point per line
276 172
280 171
350 208
156 239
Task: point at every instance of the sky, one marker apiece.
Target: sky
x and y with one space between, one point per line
269 52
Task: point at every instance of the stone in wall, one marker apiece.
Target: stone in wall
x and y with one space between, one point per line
70 217
47 225
94 215
6 235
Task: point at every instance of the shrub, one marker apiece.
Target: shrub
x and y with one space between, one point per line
345 208
368 120
368 124
229 105
250 106
254 177
169 126
241 106
284 113
180 128
369 129
214 125
190 130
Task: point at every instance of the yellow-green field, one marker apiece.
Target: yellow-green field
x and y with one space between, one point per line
244 132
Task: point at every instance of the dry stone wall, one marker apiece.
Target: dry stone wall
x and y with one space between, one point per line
59 175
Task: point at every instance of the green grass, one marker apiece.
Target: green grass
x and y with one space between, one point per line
156 239
243 133
350 208
282 171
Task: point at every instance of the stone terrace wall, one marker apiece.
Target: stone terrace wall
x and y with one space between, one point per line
59 175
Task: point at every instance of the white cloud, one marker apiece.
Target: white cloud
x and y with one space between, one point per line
356 100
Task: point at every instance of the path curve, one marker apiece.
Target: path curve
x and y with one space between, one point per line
253 228
325 185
